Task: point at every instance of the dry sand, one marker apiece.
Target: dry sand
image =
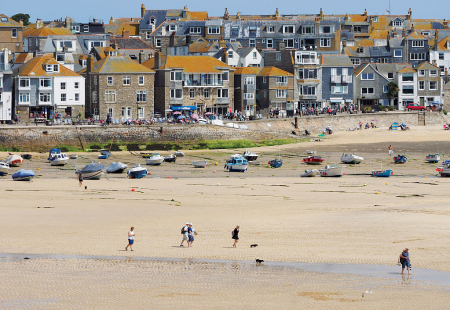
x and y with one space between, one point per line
315 220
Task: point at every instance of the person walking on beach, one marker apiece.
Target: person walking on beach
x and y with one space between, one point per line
390 150
80 179
405 261
184 231
190 235
234 235
130 239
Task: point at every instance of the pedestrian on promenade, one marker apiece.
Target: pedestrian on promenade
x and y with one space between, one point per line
191 235
234 235
130 239
390 150
80 179
184 231
405 261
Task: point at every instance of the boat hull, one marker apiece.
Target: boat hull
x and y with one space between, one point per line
382 174
170 159
275 163
433 158
332 172
137 174
236 167
28 178
309 173
154 162
199 164
251 157
351 159
93 175
61 162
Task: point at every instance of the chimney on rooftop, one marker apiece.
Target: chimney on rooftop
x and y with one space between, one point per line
142 10
125 34
157 60
226 15
21 22
173 39
321 14
365 12
68 23
404 33
445 23
412 27
95 20
222 43
141 57
188 39
90 64
281 45
409 14
277 14
39 23
346 18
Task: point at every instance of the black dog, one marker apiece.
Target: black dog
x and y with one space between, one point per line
253 245
259 261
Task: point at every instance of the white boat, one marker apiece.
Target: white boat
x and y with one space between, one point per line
202 121
170 158
250 156
217 122
59 159
4 168
310 173
73 156
238 164
332 171
116 168
137 172
14 160
310 152
155 160
199 164
351 159
232 157
92 171
232 125
178 153
23 175
433 158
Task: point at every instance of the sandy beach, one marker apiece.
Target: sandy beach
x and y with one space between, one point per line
356 219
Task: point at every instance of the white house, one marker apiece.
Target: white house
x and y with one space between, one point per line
440 55
249 57
5 87
407 84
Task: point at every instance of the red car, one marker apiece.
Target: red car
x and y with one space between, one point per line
415 106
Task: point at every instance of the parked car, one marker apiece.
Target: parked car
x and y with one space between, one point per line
415 106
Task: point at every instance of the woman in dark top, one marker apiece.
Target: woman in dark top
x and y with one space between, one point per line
235 236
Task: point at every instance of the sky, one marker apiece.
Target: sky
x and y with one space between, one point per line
84 10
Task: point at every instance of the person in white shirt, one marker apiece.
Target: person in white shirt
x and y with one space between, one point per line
130 239
185 235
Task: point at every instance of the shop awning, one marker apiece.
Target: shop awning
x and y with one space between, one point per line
184 108
335 100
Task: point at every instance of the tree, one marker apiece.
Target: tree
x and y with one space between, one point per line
22 16
392 90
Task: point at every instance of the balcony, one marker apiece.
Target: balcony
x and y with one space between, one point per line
347 78
335 79
202 82
308 97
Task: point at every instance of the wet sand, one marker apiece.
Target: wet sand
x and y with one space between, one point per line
314 220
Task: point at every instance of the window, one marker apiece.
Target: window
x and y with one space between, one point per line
281 93
56 68
383 60
421 72
356 28
86 28
141 96
325 42
385 89
14 33
397 23
252 43
148 35
375 19
24 82
270 29
158 43
76 85
288 29
249 80
141 80
390 75
222 93
278 56
96 44
192 93
176 75
307 29
406 77
433 72
417 56
397 53
326 29
110 111
45 97
24 97
339 89
63 85
110 96
214 30
264 80
1 82
230 54
368 76
195 30
63 97
77 97
206 93
46 82
441 56
249 96
255 55
140 112
126 80
360 50
94 97
417 43
433 85
289 43
281 79
252 31
300 74
269 43
176 93
310 73
172 27
95 80
356 61
225 76
421 85
308 90
367 90
408 90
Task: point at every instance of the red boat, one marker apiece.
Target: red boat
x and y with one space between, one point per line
313 160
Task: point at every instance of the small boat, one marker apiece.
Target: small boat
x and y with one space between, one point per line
145 155
26 156
382 173
202 121
4 168
276 163
232 157
23 175
351 159
313 160
238 164
137 172
332 171
250 156
73 156
400 159
14 160
103 156
178 153
255 162
155 160
200 164
59 159
444 171
116 168
170 158
53 151
310 152
431 158
310 173
92 171
105 152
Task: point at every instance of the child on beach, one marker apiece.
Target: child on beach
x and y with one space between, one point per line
80 179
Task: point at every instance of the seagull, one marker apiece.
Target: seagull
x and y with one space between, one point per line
366 292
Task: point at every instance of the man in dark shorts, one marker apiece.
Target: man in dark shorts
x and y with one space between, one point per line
405 261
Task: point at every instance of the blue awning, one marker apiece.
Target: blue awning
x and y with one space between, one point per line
335 100
184 108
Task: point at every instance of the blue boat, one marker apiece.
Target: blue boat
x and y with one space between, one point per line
23 175
382 173
237 164
103 156
400 159
137 172
276 163
53 152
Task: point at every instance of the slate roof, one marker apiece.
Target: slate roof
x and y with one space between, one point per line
189 64
9 23
273 71
247 70
416 36
132 44
244 51
380 51
117 64
35 67
204 47
407 70
333 60
442 45
396 43
427 65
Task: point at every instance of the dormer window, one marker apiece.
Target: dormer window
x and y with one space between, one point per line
270 29
288 29
152 21
60 57
113 53
213 30
48 68
418 43
172 27
360 50
230 54
375 19
326 29
397 23
195 30
4 19
307 29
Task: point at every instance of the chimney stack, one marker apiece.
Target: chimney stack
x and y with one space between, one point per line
39 23
142 10
277 15
412 27
409 14
125 34
157 60
90 64
21 22
188 39
404 33
68 23
226 16
321 14
365 12
173 39
445 23
141 57
281 45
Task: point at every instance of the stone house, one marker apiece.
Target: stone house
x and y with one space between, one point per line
200 83
275 90
6 87
370 87
245 90
440 53
11 34
429 88
120 87
43 87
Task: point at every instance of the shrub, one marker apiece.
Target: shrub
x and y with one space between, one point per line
95 147
133 147
445 112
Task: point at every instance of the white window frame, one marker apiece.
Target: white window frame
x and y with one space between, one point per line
249 80
255 55
148 35
249 96
222 93
433 73
395 53
325 42
421 85
417 56
366 76
281 80
225 76
206 93
14 36
435 83
213 30
173 93
289 43
269 43
42 82
95 111
397 23
141 112
141 96
421 72
46 96
126 79
77 97
281 93
252 42
94 97
27 80
418 43
339 89
385 89
309 28
287 28
63 97
141 79
270 29
172 27
24 95
63 85
392 77
76 85
111 111
110 80
356 61
195 30
230 54
158 42
110 96
173 76
192 93
367 90
375 19
323 26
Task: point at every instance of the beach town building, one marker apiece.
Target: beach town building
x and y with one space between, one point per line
370 87
408 86
440 52
6 87
430 84
11 33
119 87
44 88
245 91
200 83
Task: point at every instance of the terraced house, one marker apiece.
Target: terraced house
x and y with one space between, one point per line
245 90
120 87
10 34
429 84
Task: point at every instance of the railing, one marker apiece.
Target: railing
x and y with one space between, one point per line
335 79
203 82
347 78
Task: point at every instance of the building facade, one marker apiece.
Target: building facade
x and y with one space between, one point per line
6 87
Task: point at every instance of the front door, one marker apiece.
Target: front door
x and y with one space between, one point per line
422 101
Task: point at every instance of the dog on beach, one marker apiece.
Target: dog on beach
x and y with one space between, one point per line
253 245
259 261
